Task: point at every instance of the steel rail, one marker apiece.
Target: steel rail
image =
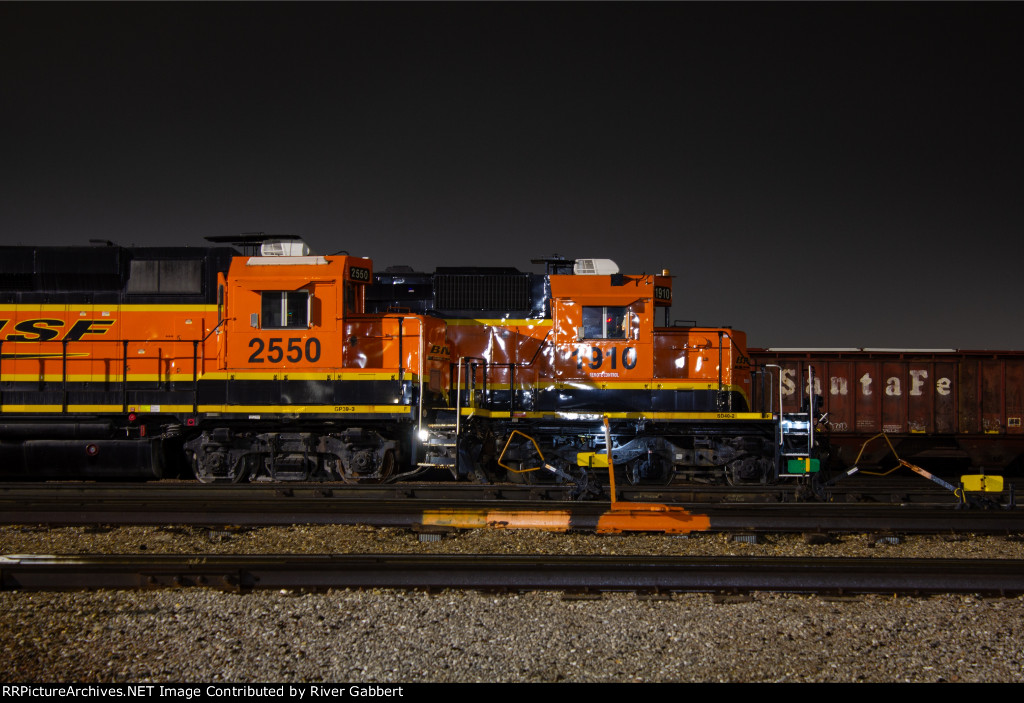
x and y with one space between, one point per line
515 573
883 492
470 506
581 517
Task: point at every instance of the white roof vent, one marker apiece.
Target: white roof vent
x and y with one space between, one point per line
595 267
284 248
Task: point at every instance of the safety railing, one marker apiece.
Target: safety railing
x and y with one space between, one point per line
163 378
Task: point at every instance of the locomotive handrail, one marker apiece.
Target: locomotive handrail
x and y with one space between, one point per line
196 361
124 364
539 347
458 391
401 363
770 399
195 376
124 375
401 360
64 375
511 383
733 343
65 343
401 369
215 328
721 335
512 370
419 411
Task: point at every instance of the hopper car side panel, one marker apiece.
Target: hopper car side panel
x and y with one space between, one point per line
956 407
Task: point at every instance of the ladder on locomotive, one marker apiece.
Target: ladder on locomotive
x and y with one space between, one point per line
796 444
473 392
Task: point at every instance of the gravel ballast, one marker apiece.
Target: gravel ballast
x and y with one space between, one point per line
391 636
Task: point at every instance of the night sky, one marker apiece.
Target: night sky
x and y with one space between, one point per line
815 174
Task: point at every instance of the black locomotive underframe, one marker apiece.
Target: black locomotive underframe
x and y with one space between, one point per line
227 447
642 451
310 451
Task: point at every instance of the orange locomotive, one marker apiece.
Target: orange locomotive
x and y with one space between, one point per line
118 362
540 360
123 362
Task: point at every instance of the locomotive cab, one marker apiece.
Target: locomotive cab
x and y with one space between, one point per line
307 385
603 338
284 312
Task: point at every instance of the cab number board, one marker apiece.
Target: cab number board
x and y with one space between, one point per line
275 352
598 357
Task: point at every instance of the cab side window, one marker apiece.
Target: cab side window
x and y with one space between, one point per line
285 310
605 322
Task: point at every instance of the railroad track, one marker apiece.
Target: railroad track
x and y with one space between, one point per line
469 507
896 490
515 573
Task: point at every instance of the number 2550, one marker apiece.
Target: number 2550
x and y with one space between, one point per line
296 351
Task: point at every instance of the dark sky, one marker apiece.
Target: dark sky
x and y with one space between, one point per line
815 174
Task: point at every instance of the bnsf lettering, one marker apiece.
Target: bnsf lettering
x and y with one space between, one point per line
87 327
35 331
48 330
439 349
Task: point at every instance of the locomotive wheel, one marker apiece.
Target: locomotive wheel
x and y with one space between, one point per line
385 468
647 471
525 477
745 471
200 475
204 476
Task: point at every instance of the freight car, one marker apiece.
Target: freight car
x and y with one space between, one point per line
941 408
256 360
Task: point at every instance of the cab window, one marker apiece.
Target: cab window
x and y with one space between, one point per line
605 322
285 310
